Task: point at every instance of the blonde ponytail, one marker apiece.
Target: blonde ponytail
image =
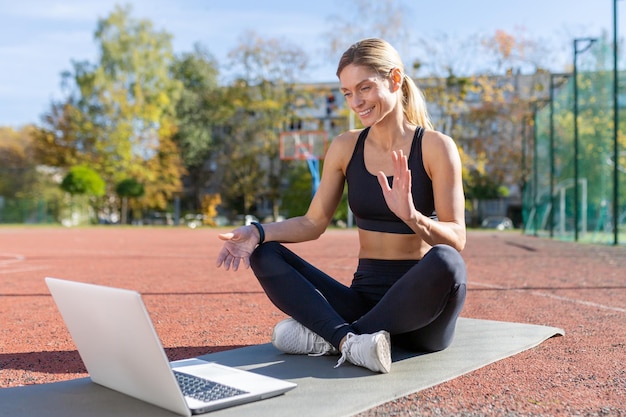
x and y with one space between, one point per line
414 104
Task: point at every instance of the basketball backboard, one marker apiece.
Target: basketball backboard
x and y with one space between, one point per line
303 145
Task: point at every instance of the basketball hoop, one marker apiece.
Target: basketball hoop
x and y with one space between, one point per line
305 145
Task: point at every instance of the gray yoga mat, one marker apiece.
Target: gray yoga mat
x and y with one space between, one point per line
322 390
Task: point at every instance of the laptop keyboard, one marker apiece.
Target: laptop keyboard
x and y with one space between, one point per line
204 390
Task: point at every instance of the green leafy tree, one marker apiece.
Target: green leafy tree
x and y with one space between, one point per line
482 91
126 189
241 180
82 181
118 116
296 201
28 193
200 110
261 95
17 168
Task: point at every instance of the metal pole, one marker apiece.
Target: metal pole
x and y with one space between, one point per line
575 141
535 168
524 170
551 221
589 41
615 132
553 86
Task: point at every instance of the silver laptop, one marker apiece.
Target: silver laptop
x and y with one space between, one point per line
121 350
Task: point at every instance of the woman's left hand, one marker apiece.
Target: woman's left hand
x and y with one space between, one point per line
398 196
238 246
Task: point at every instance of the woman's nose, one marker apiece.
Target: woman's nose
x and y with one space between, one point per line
357 101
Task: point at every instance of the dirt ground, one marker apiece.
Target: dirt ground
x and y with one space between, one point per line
198 309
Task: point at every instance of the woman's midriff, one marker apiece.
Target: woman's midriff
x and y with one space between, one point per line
378 245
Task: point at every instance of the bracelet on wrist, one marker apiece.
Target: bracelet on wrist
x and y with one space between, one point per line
261 231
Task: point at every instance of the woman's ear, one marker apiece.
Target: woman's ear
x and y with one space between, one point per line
396 79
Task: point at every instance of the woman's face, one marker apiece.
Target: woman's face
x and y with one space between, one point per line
368 94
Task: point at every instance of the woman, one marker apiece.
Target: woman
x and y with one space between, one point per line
409 285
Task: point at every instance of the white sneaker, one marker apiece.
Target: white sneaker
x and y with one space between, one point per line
371 351
291 337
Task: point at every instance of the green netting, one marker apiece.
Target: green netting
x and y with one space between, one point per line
26 211
552 204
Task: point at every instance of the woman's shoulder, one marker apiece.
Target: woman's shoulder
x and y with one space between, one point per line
348 137
438 149
345 141
435 140
342 147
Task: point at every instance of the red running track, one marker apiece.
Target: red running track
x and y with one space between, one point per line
198 309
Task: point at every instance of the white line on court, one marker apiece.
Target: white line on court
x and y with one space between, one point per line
10 258
24 269
553 296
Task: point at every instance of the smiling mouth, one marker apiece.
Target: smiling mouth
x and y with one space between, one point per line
365 112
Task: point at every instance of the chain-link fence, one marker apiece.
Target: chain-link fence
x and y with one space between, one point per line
29 211
575 187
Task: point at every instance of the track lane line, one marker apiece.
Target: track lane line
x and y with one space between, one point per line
553 296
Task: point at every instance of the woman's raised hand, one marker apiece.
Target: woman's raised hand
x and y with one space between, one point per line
398 196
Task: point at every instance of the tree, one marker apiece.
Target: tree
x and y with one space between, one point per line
118 116
83 181
17 168
200 109
482 99
261 95
27 192
126 189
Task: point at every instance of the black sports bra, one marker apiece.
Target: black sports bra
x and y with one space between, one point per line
366 197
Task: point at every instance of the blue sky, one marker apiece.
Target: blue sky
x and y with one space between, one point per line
40 38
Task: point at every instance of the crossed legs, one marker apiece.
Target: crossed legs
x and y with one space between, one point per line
416 302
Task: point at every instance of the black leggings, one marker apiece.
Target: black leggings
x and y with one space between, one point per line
417 302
